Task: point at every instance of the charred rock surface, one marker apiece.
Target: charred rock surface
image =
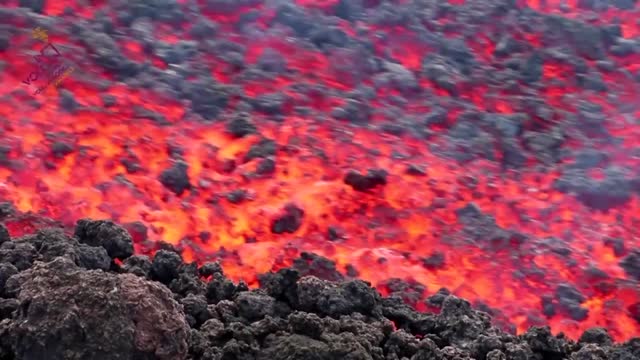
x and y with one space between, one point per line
68 312
53 306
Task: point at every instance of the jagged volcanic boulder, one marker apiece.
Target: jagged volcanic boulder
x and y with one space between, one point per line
68 313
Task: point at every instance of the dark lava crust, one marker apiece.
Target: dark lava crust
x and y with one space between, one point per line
88 297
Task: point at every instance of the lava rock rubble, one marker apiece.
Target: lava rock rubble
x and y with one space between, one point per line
87 296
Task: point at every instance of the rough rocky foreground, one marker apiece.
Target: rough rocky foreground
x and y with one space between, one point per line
89 297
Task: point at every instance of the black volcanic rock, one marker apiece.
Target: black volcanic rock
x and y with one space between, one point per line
4 234
266 167
359 182
6 271
203 28
54 309
93 258
325 298
631 265
309 264
219 288
545 146
33 5
323 37
271 61
295 18
483 228
208 98
196 309
210 268
19 254
241 126
139 265
271 104
625 4
612 191
531 70
588 41
165 266
264 148
355 110
5 37
598 336
348 9
106 53
570 299
176 178
113 238
289 221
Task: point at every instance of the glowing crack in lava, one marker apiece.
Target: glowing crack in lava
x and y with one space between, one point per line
485 147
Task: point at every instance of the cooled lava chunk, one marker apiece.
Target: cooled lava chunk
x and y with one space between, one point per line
33 5
7 208
318 266
482 227
289 221
612 191
5 40
139 265
210 268
176 178
335 299
4 234
598 336
19 254
208 98
570 299
263 149
68 313
631 265
165 266
241 126
114 238
6 271
434 261
52 242
359 182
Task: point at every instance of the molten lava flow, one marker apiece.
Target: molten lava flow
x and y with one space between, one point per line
255 201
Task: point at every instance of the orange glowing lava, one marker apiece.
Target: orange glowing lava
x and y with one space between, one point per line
404 222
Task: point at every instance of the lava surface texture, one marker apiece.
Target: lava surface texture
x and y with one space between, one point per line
488 149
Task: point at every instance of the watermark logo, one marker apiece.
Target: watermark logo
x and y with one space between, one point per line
40 34
50 63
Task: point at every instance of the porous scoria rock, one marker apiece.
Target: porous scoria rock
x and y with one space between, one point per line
71 314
